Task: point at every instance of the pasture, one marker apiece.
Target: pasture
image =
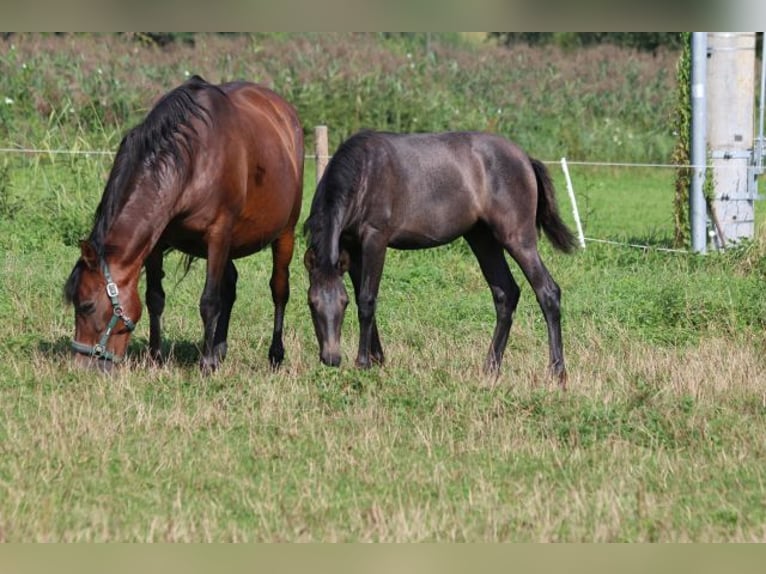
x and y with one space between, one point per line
659 437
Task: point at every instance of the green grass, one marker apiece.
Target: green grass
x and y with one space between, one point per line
660 437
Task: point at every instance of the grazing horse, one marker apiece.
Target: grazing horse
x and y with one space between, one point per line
214 171
413 191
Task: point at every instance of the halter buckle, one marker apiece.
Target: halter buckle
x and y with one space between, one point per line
111 289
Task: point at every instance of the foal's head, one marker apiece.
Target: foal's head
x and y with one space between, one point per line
105 315
328 301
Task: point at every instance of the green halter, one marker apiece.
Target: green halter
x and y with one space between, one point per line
98 351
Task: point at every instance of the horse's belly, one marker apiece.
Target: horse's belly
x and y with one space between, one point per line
430 228
247 235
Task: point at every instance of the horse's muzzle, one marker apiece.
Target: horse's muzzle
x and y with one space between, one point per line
330 359
92 363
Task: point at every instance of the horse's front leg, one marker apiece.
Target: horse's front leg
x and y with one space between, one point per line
373 256
228 296
282 254
355 272
155 300
211 302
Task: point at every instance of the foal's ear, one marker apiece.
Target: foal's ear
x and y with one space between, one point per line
88 253
343 261
309 258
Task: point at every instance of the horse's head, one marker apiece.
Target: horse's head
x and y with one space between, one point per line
328 301
105 315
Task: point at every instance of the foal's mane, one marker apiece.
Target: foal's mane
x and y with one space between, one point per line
341 180
164 140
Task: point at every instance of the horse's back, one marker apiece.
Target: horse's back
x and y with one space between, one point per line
249 169
430 188
274 141
262 112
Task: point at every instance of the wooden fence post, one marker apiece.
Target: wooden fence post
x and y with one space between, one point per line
320 150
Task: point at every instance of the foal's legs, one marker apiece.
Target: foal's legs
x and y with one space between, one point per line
155 300
355 272
549 297
373 256
505 291
228 296
282 254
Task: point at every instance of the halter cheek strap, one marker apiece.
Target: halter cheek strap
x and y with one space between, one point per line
99 350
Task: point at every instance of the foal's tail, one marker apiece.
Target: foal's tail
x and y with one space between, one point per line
548 217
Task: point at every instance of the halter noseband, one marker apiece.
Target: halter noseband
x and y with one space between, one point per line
98 351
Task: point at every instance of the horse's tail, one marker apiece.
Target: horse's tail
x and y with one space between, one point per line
548 218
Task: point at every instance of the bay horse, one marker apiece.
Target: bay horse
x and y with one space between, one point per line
213 171
414 191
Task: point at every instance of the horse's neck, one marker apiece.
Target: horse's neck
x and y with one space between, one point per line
134 234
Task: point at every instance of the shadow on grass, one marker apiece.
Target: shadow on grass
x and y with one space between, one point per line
180 353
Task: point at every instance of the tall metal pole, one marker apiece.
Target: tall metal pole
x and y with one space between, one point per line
697 209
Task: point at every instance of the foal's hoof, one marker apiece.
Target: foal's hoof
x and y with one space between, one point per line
491 370
363 364
208 365
560 375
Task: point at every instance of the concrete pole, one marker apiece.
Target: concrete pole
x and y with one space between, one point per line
697 210
730 126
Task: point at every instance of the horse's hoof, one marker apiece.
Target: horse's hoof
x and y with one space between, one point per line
276 356
275 362
156 357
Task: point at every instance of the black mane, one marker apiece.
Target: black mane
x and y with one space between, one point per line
162 141
341 180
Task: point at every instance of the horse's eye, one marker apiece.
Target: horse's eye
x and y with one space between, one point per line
86 308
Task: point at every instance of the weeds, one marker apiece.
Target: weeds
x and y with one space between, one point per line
597 102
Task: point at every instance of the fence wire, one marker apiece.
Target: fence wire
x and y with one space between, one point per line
316 157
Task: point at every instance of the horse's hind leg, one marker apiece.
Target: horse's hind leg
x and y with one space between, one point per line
355 272
505 291
282 254
155 300
548 296
228 296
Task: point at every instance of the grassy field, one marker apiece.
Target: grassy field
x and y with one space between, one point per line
659 438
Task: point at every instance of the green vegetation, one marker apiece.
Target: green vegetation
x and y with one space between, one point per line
602 102
660 437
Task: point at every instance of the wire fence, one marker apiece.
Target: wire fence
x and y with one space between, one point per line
44 151
323 159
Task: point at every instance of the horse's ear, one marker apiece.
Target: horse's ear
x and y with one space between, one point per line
343 261
309 258
88 253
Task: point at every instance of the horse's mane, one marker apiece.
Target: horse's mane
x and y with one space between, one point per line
341 180
162 141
